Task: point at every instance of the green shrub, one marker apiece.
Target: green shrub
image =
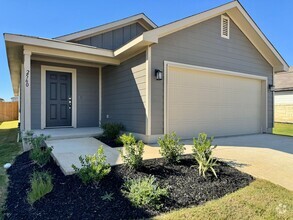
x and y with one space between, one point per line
202 149
112 130
171 148
132 152
41 184
39 153
144 192
93 167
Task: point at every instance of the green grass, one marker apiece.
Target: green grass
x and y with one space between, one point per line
283 129
260 200
9 148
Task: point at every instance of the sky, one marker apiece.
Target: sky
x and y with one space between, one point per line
51 18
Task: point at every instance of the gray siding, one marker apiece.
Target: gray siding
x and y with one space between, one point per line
202 45
87 95
124 94
115 38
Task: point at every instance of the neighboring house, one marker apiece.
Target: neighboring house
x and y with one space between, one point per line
216 67
284 97
14 99
2 100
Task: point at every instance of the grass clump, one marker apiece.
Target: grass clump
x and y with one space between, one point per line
202 149
39 153
144 192
41 184
93 167
171 148
132 152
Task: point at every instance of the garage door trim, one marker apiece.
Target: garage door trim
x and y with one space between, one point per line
264 86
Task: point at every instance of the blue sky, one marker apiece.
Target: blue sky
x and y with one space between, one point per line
58 17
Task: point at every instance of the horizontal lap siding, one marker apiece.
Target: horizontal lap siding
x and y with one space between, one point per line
202 45
87 94
124 94
114 39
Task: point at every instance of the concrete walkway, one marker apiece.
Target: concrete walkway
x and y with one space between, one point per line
263 156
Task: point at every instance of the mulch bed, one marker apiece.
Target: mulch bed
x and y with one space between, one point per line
109 142
70 199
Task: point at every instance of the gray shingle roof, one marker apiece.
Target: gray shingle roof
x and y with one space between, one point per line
284 81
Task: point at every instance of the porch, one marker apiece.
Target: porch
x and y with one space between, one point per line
69 133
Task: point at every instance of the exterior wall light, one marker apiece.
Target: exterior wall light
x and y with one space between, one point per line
271 87
158 74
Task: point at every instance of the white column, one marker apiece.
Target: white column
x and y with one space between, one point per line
21 98
100 96
27 89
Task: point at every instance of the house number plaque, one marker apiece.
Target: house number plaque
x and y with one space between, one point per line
27 74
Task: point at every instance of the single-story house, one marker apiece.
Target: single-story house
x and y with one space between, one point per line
211 72
284 96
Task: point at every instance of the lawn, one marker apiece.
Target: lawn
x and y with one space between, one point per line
283 129
260 200
9 148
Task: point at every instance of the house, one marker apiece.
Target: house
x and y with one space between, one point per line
211 72
284 96
14 99
2 100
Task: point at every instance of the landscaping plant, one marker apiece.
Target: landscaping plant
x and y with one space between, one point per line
41 184
112 130
93 167
144 192
108 197
39 153
171 148
202 149
133 151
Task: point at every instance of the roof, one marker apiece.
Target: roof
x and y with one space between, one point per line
15 44
284 81
140 18
236 12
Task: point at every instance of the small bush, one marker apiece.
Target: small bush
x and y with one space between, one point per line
39 153
202 149
144 192
133 151
93 167
41 184
112 130
171 148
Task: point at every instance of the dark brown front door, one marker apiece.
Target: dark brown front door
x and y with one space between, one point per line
58 99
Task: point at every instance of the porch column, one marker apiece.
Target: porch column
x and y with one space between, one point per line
21 99
27 89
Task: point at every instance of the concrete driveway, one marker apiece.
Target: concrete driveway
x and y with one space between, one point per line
263 156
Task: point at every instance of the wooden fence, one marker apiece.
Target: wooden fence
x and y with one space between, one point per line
8 111
284 113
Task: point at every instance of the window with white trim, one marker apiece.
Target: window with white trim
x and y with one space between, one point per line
225 27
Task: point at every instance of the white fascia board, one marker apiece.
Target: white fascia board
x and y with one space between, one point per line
56 44
109 26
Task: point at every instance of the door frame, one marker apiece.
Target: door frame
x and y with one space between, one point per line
44 69
264 89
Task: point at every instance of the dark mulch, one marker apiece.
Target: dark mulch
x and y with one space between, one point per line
71 199
109 142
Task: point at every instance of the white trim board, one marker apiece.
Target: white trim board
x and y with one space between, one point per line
45 68
263 79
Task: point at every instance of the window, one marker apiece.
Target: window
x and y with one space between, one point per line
225 27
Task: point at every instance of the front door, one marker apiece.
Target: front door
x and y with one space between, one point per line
58 99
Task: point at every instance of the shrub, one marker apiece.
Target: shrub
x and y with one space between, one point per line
93 167
39 153
112 130
133 151
144 192
41 184
171 149
202 149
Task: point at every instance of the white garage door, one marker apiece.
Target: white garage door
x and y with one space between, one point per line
217 104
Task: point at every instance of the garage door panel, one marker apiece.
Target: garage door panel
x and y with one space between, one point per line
218 104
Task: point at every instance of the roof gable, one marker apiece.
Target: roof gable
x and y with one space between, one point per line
142 19
239 16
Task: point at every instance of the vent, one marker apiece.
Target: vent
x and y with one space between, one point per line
225 27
